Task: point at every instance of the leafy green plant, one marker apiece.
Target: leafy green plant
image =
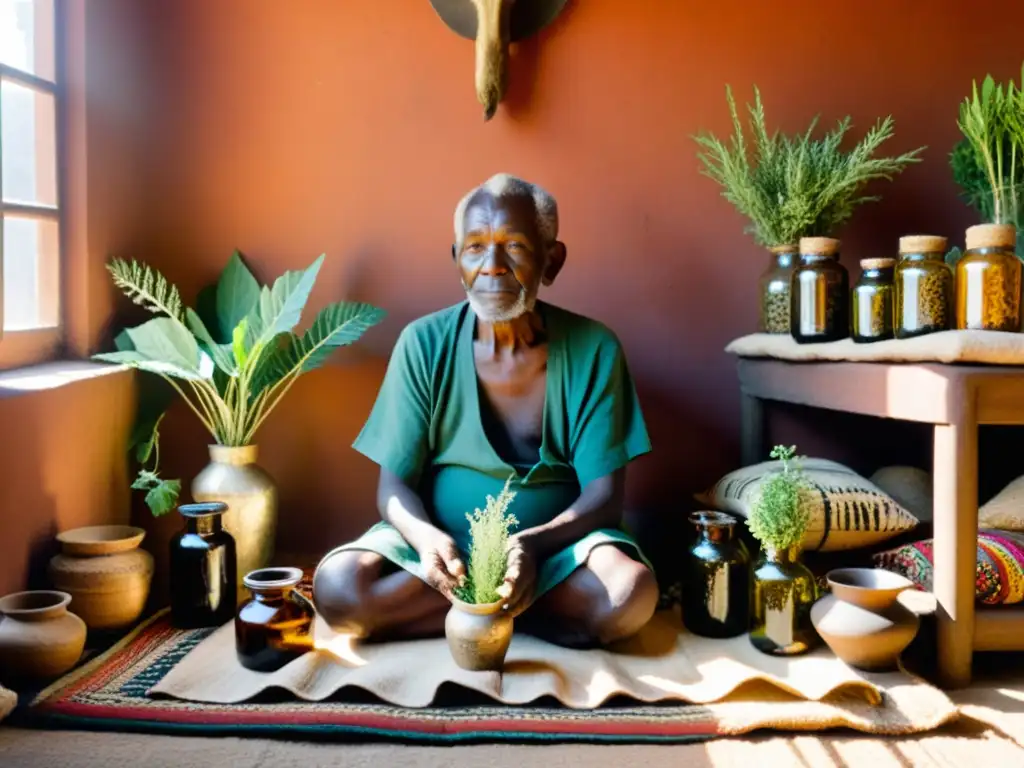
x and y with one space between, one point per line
781 513
488 550
988 163
793 187
233 360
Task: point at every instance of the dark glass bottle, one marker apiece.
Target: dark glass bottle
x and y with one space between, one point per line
871 302
203 568
775 285
820 294
276 625
716 586
783 592
922 287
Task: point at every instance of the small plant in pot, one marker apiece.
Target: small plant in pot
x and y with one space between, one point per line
792 187
478 630
231 360
783 588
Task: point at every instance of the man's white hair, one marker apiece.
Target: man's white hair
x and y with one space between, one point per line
505 185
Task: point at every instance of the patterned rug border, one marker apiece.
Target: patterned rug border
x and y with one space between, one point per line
54 707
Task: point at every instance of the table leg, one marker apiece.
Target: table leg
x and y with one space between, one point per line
752 438
955 513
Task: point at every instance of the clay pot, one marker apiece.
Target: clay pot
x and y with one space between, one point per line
478 634
39 638
106 574
862 620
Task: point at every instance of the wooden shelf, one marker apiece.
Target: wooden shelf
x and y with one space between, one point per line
955 400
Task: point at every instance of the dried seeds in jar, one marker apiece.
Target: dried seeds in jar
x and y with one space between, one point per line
820 309
872 301
988 280
922 287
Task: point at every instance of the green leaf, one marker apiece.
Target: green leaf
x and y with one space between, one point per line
221 353
336 325
237 293
167 341
144 449
163 497
206 308
238 342
280 309
140 361
987 89
162 494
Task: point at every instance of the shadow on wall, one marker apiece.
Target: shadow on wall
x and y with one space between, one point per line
61 466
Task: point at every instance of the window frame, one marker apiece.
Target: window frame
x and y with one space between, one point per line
37 345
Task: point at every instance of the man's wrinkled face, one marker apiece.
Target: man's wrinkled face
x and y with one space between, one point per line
501 258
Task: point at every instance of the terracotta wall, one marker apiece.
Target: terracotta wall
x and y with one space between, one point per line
293 129
62 452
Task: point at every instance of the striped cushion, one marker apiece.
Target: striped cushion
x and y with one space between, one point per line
849 511
1000 575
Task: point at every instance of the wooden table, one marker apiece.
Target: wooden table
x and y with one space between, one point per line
956 399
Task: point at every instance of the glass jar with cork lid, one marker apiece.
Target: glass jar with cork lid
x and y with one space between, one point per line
922 287
820 293
871 301
988 280
775 284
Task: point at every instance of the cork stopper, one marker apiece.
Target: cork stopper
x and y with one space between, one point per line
825 246
778 250
923 244
991 236
883 262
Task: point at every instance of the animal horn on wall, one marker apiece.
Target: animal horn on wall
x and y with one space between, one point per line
492 52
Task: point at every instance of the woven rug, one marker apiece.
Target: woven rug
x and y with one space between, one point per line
114 692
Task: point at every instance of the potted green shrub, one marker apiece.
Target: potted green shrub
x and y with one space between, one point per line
783 587
791 187
988 164
477 629
231 360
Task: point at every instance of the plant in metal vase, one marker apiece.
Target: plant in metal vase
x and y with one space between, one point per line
789 187
477 629
783 587
988 162
232 360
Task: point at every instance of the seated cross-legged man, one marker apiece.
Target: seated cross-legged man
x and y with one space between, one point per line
500 385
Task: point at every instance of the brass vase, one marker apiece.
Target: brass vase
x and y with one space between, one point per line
478 634
233 477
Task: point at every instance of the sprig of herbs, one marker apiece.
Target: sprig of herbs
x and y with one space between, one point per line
793 187
488 551
780 513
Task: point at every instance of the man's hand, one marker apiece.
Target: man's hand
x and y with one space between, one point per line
520 577
443 567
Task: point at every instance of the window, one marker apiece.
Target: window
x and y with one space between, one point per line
30 209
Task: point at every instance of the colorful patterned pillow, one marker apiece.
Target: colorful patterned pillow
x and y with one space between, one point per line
848 512
1000 574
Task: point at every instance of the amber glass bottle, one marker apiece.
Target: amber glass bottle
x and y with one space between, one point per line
988 280
922 287
820 293
775 285
716 590
871 302
276 625
202 568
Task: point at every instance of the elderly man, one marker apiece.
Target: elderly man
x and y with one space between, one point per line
501 384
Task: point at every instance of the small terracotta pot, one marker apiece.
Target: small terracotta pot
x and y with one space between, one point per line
106 574
39 638
478 634
862 620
